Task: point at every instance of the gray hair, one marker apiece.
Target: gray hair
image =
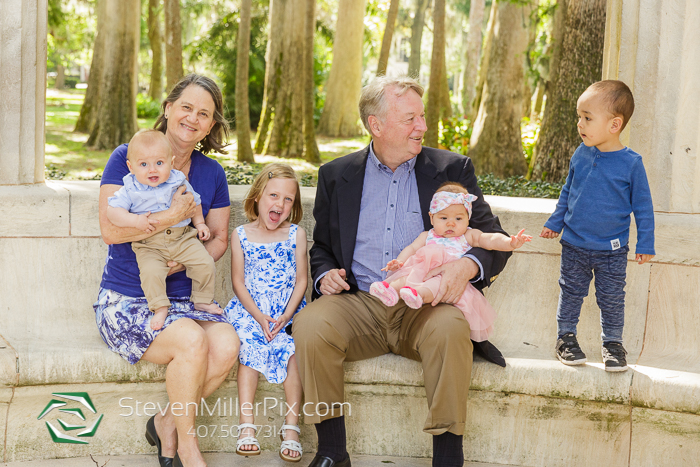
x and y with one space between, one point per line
373 98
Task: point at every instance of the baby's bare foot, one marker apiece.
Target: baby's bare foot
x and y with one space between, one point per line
159 317
209 308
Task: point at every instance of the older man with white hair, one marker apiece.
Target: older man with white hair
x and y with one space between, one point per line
369 206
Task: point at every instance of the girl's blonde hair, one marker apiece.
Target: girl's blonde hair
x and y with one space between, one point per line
270 171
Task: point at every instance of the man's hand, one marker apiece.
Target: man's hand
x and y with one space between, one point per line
145 223
455 278
547 233
642 258
183 205
333 282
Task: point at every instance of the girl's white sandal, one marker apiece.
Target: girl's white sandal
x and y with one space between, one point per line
248 440
290 445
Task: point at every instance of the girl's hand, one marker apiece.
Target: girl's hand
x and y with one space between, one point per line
281 324
264 322
393 265
642 258
203 230
547 233
516 241
145 223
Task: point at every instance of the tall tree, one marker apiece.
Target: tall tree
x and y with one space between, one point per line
155 37
471 56
311 152
577 65
273 70
387 38
484 62
116 118
245 152
496 145
417 37
173 43
89 110
340 115
437 72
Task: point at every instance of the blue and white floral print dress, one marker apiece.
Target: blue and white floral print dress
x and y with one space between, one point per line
270 277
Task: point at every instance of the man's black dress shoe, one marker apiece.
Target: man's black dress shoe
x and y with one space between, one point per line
154 440
489 351
323 461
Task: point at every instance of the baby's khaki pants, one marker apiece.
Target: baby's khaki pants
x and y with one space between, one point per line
174 244
351 327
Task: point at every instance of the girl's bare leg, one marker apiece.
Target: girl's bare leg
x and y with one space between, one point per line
247 385
292 393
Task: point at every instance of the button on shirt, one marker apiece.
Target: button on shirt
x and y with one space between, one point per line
390 218
138 198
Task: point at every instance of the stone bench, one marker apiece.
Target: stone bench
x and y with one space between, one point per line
535 411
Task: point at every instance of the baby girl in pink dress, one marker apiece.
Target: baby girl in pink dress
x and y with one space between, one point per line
448 240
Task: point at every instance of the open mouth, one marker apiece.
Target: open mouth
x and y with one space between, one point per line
275 216
188 128
153 179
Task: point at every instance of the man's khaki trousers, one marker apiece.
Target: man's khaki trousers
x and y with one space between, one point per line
352 327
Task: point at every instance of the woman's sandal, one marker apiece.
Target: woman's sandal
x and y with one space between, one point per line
154 440
290 445
247 441
411 298
384 292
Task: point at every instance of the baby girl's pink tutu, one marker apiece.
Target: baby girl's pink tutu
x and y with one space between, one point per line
476 309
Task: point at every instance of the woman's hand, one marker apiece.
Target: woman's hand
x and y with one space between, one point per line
281 324
182 205
393 265
264 322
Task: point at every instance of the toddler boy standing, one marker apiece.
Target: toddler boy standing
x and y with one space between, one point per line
606 183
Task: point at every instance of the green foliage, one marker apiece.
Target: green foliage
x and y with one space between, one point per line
454 134
243 173
51 172
518 186
146 108
70 32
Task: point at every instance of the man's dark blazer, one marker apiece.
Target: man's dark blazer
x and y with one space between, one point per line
337 209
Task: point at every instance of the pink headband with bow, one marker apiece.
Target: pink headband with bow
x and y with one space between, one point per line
443 199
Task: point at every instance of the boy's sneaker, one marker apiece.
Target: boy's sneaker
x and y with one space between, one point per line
614 356
568 350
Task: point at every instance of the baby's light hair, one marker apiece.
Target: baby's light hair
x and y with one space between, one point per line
452 187
270 171
617 97
146 138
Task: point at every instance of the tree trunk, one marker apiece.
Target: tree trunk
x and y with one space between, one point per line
155 37
245 152
579 63
273 70
388 36
496 145
445 101
437 70
60 77
417 38
88 112
311 152
286 138
116 119
484 63
173 43
471 62
340 115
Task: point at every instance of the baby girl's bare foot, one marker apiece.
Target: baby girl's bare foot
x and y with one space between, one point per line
209 308
159 317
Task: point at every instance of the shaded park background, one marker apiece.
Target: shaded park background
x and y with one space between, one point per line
501 76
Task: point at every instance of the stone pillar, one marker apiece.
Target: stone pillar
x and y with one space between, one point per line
654 47
22 90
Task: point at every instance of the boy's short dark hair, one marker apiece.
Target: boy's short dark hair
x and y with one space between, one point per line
617 96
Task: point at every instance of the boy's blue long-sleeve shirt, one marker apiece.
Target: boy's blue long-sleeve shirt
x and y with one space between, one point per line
601 191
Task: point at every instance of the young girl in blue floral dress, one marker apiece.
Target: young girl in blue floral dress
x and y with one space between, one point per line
269 270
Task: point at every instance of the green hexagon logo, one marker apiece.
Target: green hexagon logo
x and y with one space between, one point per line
59 436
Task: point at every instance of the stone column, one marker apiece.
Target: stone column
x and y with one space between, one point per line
22 90
654 47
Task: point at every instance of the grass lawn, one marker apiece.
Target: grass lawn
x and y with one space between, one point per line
68 158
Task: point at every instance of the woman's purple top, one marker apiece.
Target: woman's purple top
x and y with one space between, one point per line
121 272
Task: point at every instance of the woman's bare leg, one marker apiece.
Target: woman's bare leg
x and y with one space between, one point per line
223 354
292 393
183 346
247 385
